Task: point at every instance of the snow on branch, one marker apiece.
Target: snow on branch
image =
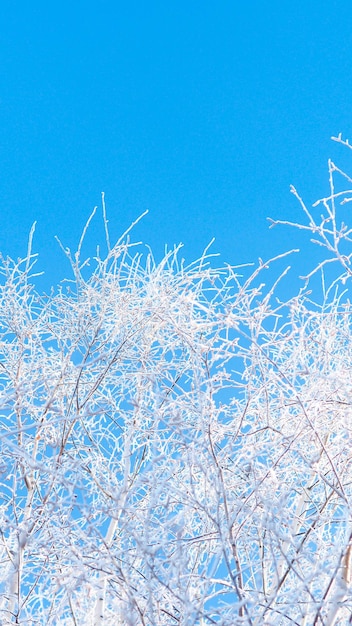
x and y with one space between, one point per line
176 440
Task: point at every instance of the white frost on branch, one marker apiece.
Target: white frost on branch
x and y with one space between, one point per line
176 441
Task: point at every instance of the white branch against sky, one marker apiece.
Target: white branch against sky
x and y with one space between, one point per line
176 441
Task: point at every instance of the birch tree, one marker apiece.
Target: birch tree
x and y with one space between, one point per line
176 440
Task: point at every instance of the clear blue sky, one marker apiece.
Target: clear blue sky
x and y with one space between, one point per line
202 112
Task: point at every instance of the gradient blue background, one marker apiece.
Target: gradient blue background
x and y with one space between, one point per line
202 112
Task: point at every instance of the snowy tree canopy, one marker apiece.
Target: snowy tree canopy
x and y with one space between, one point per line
176 440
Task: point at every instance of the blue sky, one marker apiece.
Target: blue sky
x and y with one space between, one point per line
201 112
